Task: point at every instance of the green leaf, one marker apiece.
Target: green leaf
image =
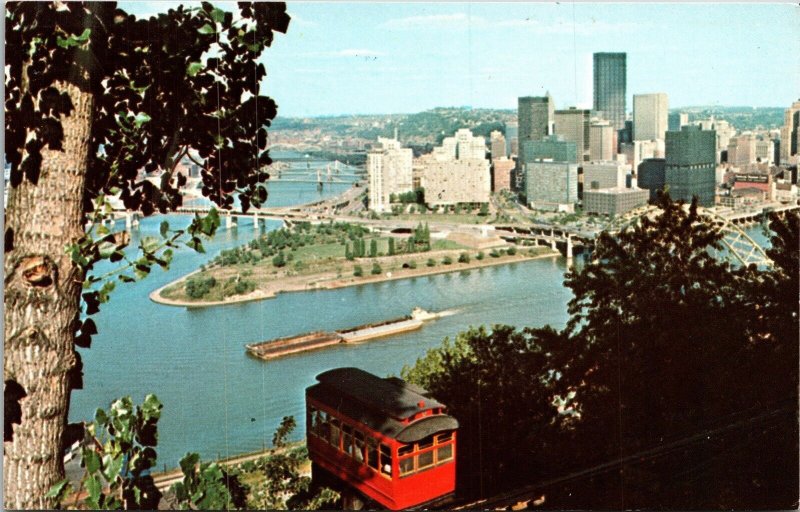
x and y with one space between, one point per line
218 15
106 249
151 408
194 68
100 417
206 29
112 466
188 462
164 229
150 244
140 119
91 460
94 487
71 41
57 490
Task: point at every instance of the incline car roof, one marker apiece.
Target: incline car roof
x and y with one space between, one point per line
380 404
392 397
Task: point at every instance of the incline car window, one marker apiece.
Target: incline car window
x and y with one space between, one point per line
425 453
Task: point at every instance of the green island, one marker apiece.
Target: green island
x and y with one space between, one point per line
333 255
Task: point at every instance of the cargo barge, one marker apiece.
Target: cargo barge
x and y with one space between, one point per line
280 347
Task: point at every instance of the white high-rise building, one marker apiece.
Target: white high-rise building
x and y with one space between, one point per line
457 172
388 171
650 116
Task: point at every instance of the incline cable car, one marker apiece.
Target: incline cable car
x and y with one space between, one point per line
384 439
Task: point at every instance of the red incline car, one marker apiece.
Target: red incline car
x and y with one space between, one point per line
384 439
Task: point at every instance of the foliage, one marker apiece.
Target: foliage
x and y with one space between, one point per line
511 251
431 262
500 386
416 196
198 288
148 93
376 268
118 457
284 487
279 260
358 271
373 248
207 486
674 367
420 239
447 260
484 211
479 256
463 258
391 246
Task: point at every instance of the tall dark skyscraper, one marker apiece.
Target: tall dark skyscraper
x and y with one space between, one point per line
535 117
690 164
610 71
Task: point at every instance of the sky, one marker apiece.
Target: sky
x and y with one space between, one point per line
385 58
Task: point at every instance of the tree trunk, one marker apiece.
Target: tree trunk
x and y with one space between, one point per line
42 300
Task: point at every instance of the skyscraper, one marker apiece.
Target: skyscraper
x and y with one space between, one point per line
650 116
573 125
610 73
551 185
601 141
677 119
691 164
535 116
552 147
497 144
388 171
790 133
512 137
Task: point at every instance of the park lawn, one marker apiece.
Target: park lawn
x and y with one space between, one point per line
446 245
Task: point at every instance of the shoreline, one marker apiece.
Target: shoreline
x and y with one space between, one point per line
313 283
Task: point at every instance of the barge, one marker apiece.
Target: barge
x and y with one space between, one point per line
280 347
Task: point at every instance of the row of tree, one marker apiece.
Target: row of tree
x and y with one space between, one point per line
674 384
416 196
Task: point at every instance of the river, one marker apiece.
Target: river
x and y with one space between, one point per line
219 402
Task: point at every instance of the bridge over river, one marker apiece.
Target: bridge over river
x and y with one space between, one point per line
738 245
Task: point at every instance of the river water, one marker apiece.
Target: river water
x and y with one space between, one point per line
220 402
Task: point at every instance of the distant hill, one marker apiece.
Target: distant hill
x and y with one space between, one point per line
743 118
431 126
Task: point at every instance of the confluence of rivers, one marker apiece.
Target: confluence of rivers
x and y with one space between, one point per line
218 401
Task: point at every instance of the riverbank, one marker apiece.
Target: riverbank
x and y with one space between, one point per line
334 280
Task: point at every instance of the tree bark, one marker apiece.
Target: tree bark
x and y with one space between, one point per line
42 301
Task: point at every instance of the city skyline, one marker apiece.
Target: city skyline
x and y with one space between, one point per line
366 58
